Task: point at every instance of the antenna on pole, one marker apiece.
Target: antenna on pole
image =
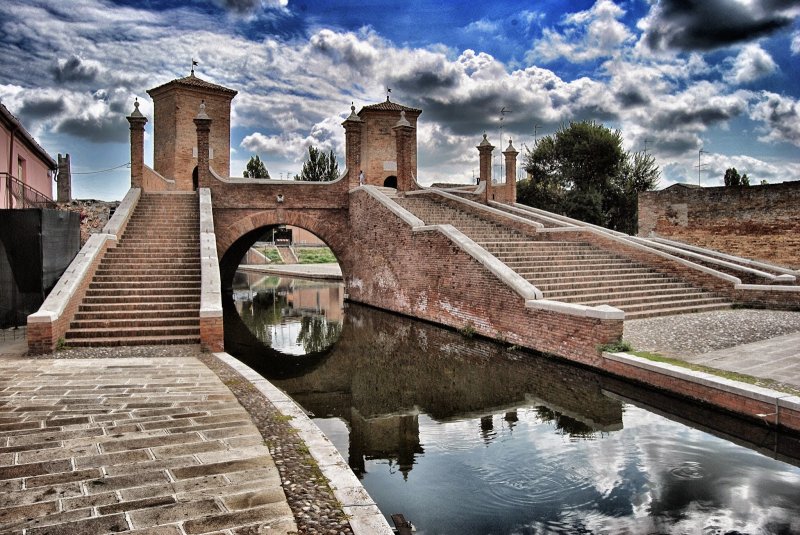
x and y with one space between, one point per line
503 112
536 129
700 165
646 141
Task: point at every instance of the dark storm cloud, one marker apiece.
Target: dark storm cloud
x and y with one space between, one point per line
42 108
631 98
74 70
107 129
711 24
674 146
239 6
680 118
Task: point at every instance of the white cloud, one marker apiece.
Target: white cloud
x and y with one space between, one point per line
780 116
752 63
587 35
795 46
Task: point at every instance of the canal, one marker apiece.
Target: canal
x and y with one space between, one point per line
467 436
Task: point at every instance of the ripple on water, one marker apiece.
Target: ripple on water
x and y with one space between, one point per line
688 470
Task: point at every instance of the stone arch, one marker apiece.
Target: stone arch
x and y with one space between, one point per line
390 182
233 239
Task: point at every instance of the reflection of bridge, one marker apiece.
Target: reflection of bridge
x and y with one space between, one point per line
468 258
381 402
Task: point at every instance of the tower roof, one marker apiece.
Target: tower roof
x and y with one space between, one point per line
390 106
193 82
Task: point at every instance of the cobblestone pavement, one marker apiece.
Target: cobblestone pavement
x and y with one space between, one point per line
761 343
148 442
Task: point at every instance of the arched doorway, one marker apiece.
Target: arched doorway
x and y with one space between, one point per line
390 182
195 179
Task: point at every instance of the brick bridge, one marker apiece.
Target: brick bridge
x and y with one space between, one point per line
468 257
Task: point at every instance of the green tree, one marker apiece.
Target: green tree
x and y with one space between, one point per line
582 171
732 178
319 167
256 168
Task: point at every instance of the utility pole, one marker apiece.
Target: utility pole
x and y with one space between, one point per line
503 112
646 141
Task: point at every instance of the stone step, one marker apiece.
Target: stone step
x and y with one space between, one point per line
577 270
129 285
610 288
146 273
662 304
102 313
130 323
141 306
110 332
138 277
655 312
133 341
140 299
562 281
631 300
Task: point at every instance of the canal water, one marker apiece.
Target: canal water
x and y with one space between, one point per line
466 436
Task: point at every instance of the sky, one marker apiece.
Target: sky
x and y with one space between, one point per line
673 76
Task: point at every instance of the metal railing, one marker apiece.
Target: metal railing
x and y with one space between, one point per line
21 195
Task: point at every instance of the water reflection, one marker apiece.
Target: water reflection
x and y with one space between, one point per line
464 436
292 316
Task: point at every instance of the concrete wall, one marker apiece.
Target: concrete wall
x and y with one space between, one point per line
759 222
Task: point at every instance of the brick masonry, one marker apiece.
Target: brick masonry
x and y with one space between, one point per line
760 222
107 445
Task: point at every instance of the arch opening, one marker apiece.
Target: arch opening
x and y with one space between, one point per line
390 182
283 298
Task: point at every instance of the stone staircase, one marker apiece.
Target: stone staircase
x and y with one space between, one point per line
146 290
573 272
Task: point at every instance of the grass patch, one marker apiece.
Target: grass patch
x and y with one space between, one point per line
272 254
468 330
620 346
315 255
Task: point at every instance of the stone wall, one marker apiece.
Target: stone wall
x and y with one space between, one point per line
759 222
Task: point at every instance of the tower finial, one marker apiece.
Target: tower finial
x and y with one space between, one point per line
194 63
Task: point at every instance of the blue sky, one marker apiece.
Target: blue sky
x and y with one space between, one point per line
680 75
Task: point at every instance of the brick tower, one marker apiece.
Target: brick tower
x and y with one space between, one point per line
175 106
378 144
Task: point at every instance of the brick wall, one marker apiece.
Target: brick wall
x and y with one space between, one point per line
425 275
760 222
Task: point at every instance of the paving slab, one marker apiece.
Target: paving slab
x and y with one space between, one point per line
64 469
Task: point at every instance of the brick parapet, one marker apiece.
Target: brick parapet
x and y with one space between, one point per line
211 326
152 181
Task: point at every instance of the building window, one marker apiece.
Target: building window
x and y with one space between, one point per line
20 168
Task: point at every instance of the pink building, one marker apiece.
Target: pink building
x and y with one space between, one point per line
26 170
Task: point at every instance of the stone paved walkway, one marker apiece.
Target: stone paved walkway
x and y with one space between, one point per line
761 343
146 445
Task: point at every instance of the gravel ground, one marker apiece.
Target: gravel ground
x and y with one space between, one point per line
315 509
688 335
